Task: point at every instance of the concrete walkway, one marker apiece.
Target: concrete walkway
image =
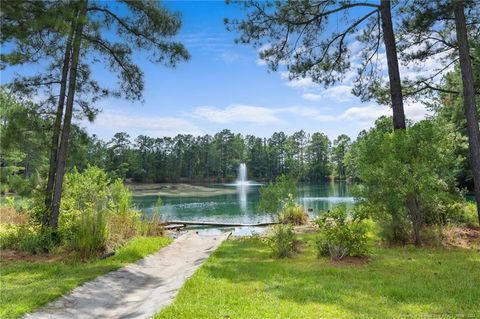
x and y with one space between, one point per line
138 290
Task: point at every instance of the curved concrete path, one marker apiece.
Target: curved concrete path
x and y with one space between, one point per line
138 290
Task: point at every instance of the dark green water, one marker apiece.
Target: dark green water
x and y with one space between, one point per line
241 206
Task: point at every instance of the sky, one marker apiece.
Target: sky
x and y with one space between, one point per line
225 85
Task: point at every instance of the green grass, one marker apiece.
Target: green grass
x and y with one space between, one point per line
29 285
241 280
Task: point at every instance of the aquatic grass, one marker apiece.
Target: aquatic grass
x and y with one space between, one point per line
27 285
242 280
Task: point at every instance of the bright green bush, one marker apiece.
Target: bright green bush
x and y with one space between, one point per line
36 241
95 215
283 241
25 238
464 213
342 234
121 197
293 214
9 236
84 210
407 177
274 195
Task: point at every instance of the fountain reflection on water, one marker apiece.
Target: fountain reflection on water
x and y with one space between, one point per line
242 185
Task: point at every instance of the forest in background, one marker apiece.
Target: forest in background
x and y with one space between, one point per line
26 130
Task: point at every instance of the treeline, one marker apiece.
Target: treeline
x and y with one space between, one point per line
309 157
26 132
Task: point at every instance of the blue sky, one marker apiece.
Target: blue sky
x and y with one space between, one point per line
225 85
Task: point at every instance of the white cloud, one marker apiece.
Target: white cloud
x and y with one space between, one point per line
311 96
261 62
415 111
238 113
152 126
340 93
301 83
364 113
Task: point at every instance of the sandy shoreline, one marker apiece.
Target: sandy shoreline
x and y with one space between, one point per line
177 190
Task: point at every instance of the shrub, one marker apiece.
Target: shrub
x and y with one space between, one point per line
274 195
91 234
25 237
84 210
462 213
9 236
407 177
121 197
342 234
293 214
36 241
283 242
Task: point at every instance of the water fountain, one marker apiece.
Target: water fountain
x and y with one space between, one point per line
242 184
242 175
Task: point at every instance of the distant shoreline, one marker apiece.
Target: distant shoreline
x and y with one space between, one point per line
176 190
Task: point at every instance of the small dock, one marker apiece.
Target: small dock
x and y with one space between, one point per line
179 224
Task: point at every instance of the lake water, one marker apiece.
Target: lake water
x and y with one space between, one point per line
240 206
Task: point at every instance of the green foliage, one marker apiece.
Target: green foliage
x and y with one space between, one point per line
342 234
283 241
26 237
22 144
35 241
293 214
407 177
84 210
96 214
275 195
121 197
340 150
463 213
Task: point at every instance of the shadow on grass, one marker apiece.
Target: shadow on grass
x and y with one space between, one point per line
396 281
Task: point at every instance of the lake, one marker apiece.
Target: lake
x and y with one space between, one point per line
238 203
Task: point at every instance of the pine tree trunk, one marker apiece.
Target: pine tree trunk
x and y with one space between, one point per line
468 97
56 129
67 120
416 217
393 69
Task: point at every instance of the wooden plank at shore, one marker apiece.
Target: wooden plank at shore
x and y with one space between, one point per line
188 222
173 226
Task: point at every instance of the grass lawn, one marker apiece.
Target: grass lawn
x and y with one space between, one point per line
241 280
27 285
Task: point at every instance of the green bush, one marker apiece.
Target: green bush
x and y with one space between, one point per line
293 214
342 234
283 241
9 236
121 197
407 177
91 234
273 196
85 207
95 215
463 213
26 238
36 241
